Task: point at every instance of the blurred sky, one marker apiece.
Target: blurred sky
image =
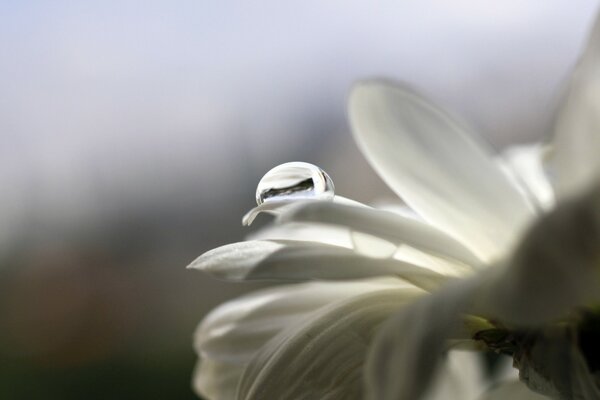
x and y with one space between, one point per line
133 133
114 102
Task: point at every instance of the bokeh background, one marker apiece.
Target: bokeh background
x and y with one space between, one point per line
133 133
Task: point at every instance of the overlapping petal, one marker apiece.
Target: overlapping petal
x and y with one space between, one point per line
558 261
231 335
276 207
408 348
300 260
437 167
311 340
316 232
216 380
385 225
322 359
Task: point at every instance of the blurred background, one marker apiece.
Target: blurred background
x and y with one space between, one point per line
133 133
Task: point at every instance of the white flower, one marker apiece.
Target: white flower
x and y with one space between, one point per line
375 267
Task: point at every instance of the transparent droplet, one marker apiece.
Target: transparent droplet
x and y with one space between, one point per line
295 180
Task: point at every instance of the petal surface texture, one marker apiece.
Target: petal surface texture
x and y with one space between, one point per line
322 359
385 225
232 334
555 268
300 261
554 271
438 168
408 348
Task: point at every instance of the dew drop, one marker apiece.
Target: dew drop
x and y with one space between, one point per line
294 180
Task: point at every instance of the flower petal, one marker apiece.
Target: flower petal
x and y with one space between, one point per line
323 358
298 261
315 232
275 207
216 380
555 269
437 167
385 225
408 347
232 334
235 330
575 162
461 378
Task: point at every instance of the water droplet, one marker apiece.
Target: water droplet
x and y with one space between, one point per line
295 180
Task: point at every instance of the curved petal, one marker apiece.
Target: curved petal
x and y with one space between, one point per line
315 232
407 350
275 207
366 245
233 333
216 380
554 269
323 358
460 378
437 168
298 261
575 162
385 225
235 330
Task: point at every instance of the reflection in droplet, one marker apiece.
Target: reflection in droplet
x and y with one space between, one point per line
294 180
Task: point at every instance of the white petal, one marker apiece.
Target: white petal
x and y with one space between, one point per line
397 208
460 378
372 246
227 259
513 390
323 358
406 352
235 330
297 261
327 234
441 265
437 168
276 207
385 225
216 380
575 162
525 165
554 270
